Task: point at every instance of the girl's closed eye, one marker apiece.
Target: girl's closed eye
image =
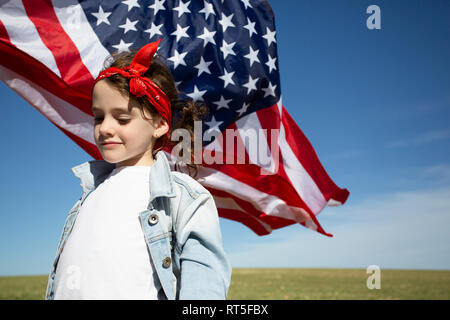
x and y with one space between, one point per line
121 120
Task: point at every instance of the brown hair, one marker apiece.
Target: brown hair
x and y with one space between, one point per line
184 112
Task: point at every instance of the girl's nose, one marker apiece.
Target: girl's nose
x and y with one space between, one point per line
106 128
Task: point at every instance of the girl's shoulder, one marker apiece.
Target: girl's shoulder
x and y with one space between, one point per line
192 186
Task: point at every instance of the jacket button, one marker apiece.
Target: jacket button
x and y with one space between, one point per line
166 262
153 219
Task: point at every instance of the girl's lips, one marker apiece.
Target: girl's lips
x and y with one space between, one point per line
110 144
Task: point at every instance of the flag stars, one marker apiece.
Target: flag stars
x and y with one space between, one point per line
122 46
252 56
129 25
271 63
177 59
158 5
228 78
180 32
213 125
246 3
102 16
226 22
243 110
269 36
131 4
196 94
154 29
208 9
251 84
207 36
227 48
182 8
250 26
222 103
203 66
270 90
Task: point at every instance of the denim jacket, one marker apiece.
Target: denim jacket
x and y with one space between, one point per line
180 227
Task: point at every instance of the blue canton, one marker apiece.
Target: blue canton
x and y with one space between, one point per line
222 52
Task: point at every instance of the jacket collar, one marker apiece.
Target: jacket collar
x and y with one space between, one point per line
94 172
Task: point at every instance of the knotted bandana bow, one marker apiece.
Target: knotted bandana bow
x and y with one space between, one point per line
142 86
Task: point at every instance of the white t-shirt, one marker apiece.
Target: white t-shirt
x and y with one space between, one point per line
105 256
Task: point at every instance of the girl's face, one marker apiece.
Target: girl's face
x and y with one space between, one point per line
121 134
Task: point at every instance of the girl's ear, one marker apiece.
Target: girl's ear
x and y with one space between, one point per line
161 128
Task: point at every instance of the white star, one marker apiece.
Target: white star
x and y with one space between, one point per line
227 48
250 26
207 36
207 10
243 109
122 46
178 59
251 84
131 4
269 36
227 77
101 16
213 124
197 94
180 32
154 30
158 5
182 8
129 25
246 3
252 56
226 21
223 103
271 63
270 90
203 66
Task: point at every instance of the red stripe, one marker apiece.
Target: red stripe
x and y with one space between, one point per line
3 33
277 185
237 216
248 218
301 147
250 174
270 119
273 185
270 184
35 71
67 57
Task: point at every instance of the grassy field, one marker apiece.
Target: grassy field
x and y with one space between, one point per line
303 284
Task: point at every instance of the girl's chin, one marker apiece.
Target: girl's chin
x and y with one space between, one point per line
111 158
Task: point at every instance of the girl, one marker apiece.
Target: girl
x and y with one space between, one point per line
139 231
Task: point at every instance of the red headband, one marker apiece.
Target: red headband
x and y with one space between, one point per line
140 86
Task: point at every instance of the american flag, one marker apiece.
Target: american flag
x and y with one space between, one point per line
222 52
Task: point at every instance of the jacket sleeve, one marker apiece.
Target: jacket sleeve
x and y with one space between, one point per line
204 268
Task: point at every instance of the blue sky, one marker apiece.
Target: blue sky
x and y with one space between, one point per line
375 104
